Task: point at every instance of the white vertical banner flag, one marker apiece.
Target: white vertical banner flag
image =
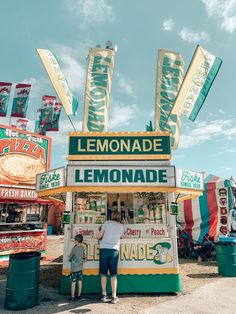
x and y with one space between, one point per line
197 82
58 80
170 73
97 92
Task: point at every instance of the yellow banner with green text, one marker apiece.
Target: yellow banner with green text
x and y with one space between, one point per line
97 92
170 72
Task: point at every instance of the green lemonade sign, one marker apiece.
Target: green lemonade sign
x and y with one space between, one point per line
117 175
126 146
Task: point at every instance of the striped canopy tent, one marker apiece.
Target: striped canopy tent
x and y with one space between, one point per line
209 212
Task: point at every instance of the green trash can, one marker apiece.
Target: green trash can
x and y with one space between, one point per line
23 281
226 257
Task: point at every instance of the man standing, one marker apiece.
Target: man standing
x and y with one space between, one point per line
109 237
232 222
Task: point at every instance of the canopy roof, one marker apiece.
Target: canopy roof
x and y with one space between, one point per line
215 182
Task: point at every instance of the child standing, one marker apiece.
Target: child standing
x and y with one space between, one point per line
77 258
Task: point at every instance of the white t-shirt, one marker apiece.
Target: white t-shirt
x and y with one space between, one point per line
112 232
233 219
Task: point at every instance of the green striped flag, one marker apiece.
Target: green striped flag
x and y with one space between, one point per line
196 84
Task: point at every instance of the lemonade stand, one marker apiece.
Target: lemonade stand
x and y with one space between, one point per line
130 172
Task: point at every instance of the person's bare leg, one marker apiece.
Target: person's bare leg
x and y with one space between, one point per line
79 287
113 286
73 289
104 285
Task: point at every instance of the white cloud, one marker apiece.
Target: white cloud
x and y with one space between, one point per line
230 150
151 114
179 157
61 137
168 24
91 12
224 11
226 169
191 36
73 63
221 111
121 115
205 131
39 86
125 85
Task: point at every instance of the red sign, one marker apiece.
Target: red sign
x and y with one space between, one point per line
22 156
22 242
19 194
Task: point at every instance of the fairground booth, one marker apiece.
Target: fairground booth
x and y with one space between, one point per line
23 214
131 172
211 212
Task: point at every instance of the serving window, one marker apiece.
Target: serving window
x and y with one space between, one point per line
138 208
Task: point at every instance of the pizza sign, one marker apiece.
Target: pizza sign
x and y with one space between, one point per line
22 156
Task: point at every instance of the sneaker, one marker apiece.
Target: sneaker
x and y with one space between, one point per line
114 300
71 299
78 297
104 298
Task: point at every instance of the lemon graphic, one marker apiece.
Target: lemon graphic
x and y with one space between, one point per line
169 258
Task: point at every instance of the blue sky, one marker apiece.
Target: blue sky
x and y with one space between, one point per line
139 28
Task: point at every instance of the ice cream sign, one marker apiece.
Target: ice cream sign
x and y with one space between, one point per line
189 179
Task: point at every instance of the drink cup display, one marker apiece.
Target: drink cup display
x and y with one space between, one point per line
163 254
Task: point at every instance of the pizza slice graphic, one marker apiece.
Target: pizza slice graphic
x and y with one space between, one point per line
20 168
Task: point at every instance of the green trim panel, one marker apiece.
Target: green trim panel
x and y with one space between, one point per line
128 284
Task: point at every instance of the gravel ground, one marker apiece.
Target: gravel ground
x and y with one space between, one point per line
193 275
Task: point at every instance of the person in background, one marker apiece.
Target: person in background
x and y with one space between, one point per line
109 243
232 222
206 246
77 257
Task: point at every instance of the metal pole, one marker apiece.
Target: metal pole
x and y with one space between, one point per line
67 232
173 232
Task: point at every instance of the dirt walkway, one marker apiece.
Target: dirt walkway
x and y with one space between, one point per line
193 275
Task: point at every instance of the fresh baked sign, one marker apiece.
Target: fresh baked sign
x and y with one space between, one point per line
22 156
21 194
50 180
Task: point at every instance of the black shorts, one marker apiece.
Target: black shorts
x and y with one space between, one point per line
76 276
108 261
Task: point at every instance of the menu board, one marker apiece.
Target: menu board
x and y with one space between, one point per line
149 208
90 208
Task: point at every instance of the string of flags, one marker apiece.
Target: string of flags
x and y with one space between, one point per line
47 118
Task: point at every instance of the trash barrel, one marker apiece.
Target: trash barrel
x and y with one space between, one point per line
49 230
226 256
22 290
